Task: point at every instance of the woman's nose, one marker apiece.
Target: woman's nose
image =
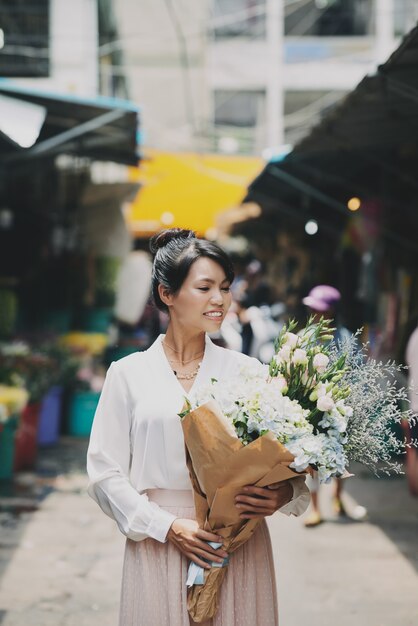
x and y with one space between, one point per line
217 297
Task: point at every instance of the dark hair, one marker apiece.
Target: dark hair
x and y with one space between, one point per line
175 252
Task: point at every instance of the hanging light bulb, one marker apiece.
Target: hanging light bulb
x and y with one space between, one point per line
311 227
354 204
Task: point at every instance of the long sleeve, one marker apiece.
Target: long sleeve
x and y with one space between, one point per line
108 466
300 500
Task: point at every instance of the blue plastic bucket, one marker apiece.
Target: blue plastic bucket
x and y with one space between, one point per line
83 406
50 417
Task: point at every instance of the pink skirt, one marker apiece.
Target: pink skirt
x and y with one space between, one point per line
154 577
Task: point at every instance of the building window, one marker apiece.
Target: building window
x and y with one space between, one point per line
239 108
239 120
305 109
332 18
24 38
239 18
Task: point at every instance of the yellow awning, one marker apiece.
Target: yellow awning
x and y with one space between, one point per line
187 190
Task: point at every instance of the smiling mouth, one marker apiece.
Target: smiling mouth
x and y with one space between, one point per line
215 315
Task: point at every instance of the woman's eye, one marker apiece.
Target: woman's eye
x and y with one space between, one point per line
203 288
226 289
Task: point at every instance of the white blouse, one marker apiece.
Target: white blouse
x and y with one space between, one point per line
137 440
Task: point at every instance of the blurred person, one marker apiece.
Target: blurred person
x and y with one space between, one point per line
136 459
411 358
135 316
323 301
256 293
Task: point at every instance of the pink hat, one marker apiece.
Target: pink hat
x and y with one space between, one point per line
322 298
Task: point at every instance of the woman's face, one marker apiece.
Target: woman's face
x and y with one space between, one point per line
204 298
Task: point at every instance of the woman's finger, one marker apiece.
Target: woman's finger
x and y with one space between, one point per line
192 557
207 536
255 515
262 492
254 501
208 549
258 510
207 555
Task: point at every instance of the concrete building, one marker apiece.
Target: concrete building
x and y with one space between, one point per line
51 45
240 76
165 50
299 69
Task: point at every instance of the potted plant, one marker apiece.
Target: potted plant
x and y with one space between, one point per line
34 371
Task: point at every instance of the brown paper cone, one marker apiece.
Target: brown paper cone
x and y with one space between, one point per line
220 465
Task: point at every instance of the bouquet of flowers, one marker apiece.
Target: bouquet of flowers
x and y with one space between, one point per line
316 406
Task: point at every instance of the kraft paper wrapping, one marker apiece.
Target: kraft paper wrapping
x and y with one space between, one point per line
220 465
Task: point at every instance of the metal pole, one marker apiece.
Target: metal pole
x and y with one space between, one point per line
384 29
275 65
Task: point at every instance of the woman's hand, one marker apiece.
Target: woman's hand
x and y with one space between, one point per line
257 502
191 540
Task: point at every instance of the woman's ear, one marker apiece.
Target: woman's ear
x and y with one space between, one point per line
165 295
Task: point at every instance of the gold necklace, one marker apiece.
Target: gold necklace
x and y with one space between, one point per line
185 362
189 376
196 356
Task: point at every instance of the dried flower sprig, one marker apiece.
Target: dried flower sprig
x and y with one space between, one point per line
379 403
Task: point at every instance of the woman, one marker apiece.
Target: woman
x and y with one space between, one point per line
136 458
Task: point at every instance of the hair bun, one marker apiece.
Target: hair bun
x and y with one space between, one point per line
160 240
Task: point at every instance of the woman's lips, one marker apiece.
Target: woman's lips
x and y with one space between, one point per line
214 315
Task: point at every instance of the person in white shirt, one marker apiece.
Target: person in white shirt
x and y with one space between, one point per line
136 458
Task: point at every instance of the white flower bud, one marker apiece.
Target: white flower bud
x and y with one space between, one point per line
290 339
325 403
278 359
320 362
300 357
284 353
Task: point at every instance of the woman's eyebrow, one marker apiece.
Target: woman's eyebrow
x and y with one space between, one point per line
210 280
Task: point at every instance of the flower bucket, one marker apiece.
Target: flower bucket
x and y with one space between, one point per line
27 437
50 417
97 320
7 447
83 406
58 320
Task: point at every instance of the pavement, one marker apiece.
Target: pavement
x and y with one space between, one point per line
61 557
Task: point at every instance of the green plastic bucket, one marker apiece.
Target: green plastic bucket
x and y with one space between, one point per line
97 320
83 406
7 448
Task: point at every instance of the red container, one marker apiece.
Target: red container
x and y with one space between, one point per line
26 446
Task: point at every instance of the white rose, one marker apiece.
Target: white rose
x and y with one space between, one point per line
284 353
291 339
325 403
320 362
300 357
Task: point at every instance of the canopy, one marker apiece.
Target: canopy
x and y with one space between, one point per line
34 123
367 147
187 190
